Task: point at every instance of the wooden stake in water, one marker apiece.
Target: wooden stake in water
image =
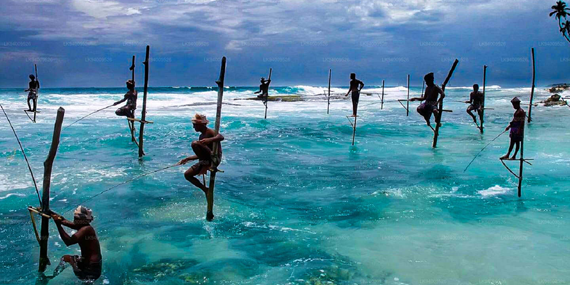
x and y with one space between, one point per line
48 163
521 168
484 97
210 194
132 123
329 97
440 107
532 88
408 98
37 92
267 97
354 130
143 113
382 100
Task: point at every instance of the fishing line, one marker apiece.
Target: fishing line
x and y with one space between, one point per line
24 153
483 149
123 183
89 115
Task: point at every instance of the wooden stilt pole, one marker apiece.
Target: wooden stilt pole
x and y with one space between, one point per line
382 100
132 123
211 186
484 97
438 117
37 92
143 113
521 168
267 97
354 130
329 97
408 98
48 163
532 89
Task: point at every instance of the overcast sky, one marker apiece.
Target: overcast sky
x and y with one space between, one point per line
89 43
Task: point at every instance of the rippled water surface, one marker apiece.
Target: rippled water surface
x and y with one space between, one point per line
296 204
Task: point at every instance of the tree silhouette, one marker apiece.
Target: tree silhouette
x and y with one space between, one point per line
560 12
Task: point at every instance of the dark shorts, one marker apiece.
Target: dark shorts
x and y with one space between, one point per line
516 135
202 166
32 95
86 270
474 107
426 108
355 96
125 111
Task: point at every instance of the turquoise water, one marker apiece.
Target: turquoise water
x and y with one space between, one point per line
297 204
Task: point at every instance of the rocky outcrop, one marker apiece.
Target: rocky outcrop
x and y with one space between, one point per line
554 100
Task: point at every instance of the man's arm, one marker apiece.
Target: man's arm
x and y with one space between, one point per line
441 93
361 85
70 240
214 139
187 159
121 101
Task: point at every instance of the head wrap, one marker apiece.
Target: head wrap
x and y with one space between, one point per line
83 213
200 119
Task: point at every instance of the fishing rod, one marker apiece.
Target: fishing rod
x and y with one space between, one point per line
89 115
484 149
24 153
123 183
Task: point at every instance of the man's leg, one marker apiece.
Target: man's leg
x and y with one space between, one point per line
469 109
35 104
510 149
29 105
518 144
190 176
355 99
204 156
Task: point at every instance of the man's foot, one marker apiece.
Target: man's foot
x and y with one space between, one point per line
29 110
506 156
353 116
209 216
513 158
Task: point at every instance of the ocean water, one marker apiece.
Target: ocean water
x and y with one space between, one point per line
297 203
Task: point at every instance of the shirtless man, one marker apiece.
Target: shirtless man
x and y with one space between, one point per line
203 149
263 89
355 87
476 99
517 128
131 97
32 90
430 96
88 265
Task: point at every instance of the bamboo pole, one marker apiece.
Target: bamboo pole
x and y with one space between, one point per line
267 97
354 130
484 97
48 163
521 167
438 117
37 92
329 97
143 113
532 89
382 100
211 186
408 99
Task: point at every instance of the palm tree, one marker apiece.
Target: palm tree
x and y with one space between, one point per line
560 14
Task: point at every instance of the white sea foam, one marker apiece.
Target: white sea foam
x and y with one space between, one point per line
494 191
12 194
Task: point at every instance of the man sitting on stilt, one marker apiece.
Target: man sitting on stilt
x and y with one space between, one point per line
88 265
131 97
203 149
517 128
476 100
431 103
